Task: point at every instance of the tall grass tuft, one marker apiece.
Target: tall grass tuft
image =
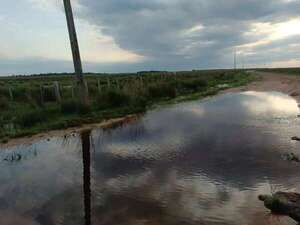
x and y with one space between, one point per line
31 117
71 106
4 103
161 90
112 98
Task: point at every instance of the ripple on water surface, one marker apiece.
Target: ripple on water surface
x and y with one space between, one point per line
202 162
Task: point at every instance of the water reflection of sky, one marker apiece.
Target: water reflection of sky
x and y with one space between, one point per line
193 163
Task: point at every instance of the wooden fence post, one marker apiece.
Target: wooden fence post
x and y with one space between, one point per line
73 94
99 85
10 94
118 84
57 91
108 82
86 88
141 81
42 95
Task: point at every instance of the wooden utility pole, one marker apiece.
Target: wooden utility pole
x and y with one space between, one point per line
76 53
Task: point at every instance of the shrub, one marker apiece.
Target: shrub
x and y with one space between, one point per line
31 117
161 91
83 109
226 76
112 98
69 106
3 91
4 103
73 106
139 101
49 95
33 96
19 93
195 84
93 89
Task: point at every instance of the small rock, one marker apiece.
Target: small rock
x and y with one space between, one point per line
295 138
223 86
284 203
291 157
4 141
294 94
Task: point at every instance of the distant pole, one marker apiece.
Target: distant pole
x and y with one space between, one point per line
243 59
75 52
234 60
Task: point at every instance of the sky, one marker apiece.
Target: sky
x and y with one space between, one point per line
135 35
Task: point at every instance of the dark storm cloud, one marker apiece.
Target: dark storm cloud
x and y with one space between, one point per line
170 34
161 30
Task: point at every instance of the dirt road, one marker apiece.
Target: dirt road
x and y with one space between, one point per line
288 84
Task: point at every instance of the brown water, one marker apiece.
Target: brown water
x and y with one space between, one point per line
203 162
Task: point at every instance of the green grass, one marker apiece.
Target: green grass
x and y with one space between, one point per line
26 114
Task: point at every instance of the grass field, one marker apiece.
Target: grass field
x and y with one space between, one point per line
30 104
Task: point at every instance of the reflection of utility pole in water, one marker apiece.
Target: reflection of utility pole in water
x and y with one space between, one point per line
86 159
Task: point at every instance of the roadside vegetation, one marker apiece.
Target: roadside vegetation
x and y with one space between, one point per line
291 71
32 104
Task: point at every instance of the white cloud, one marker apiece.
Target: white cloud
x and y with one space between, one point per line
46 4
99 48
33 38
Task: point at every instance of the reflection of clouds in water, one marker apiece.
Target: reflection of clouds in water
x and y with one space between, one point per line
198 111
173 129
225 150
190 197
9 218
244 106
239 154
35 179
128 182
272 103
150 149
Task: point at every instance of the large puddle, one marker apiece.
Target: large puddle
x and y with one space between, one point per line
203 162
